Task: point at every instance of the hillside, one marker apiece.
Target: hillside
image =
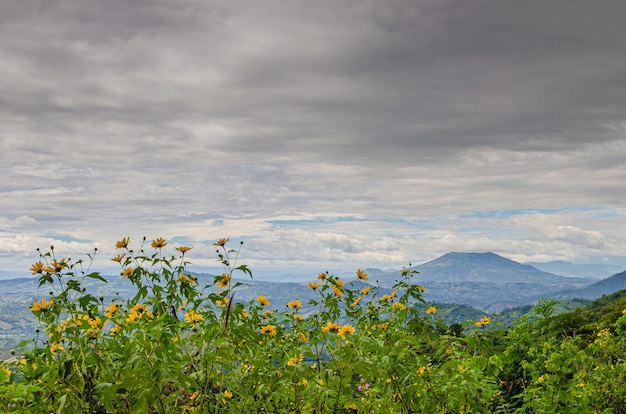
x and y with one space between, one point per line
604 287
563 268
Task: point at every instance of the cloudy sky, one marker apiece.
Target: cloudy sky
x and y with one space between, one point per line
326 135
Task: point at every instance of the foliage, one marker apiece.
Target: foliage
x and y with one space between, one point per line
176 346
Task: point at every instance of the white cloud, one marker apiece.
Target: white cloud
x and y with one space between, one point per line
21 222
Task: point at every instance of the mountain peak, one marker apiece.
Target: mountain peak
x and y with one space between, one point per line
476 257
485 267
473 255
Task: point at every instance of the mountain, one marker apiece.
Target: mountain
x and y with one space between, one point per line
486 281
560 267
488 267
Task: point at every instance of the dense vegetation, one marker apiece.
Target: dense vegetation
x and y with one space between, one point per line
179 347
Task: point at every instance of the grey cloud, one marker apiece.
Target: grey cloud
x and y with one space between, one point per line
120 112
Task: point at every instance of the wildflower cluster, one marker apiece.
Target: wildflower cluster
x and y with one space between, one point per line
184 343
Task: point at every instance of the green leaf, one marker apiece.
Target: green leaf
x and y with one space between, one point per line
96 275
47 278
62 401
87 300
245 269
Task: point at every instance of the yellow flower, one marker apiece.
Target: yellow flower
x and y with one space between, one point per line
356 302
139 308
122 244
322 276
63 325
314 285
346 329
365 290
41 306
37 267
158 243
541 379
431 310
624 312
361 274
193 317
183 278
78 320
55 267
263 301
405 271
269 329
303 337
484 321
398 306
224 281
133 316
55 347
267 313
384 298
339 282
330 327
293 361
298 317
184 249
114 330
112 309
337 290
127 272
119 258
221 242
294 304
421 289
7 373
95 323
227 394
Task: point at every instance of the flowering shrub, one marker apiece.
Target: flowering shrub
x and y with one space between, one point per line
176 346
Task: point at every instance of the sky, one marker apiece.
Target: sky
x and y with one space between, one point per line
326 135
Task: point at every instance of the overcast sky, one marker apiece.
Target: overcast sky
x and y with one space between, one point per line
325 134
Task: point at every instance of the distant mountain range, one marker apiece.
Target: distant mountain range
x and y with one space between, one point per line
485 281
